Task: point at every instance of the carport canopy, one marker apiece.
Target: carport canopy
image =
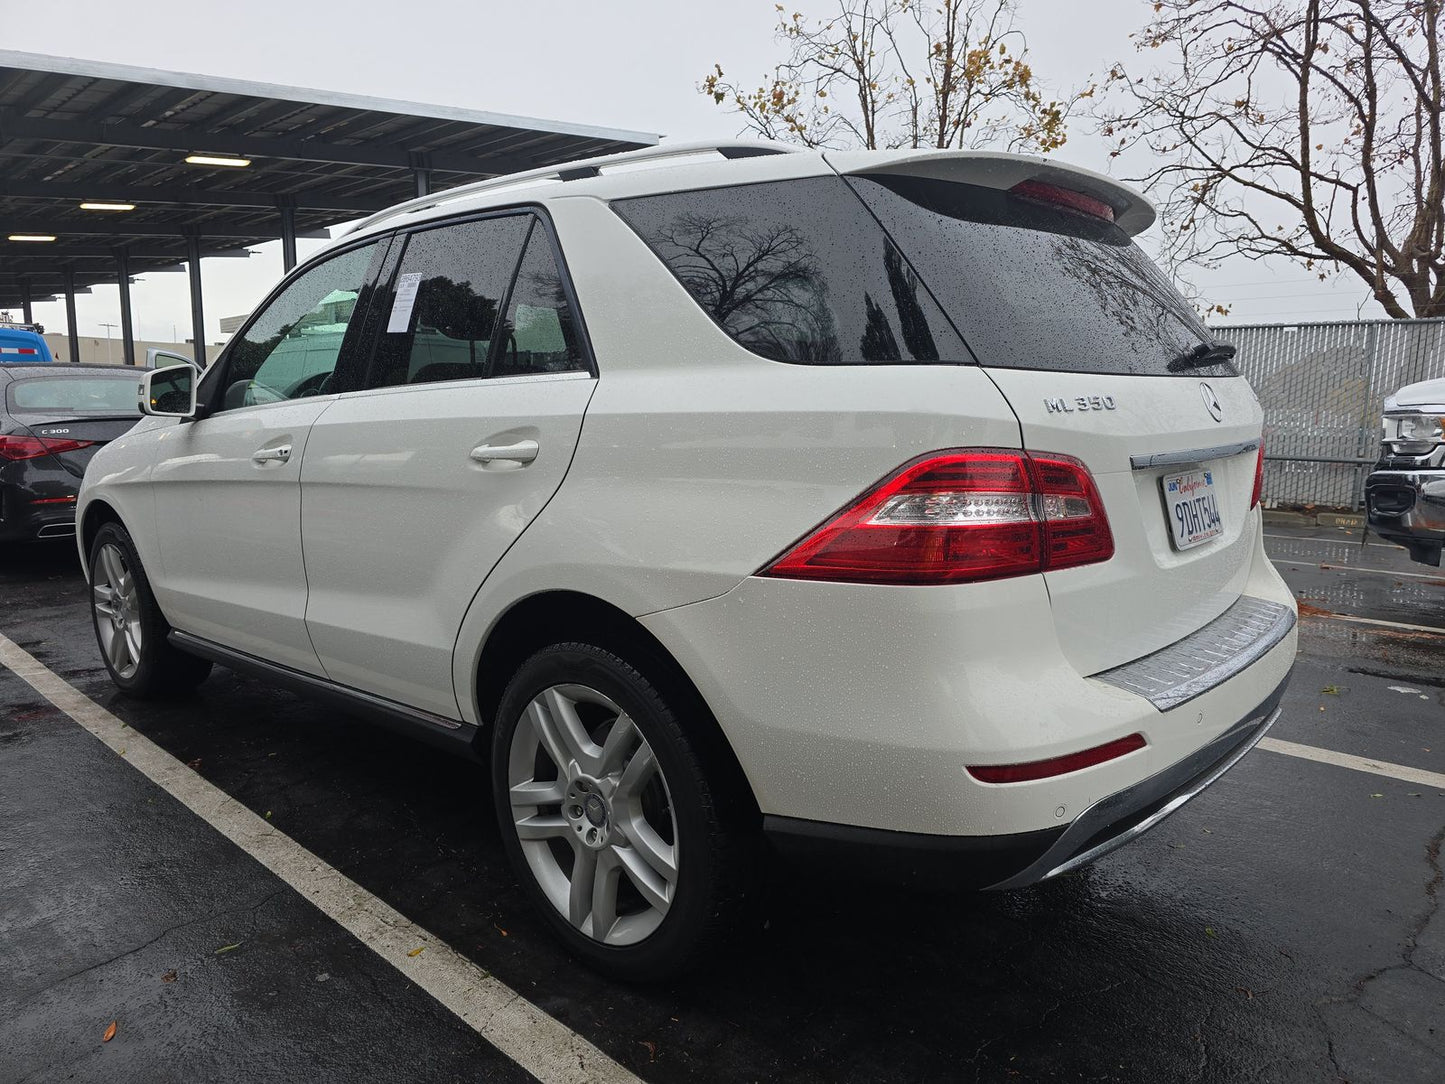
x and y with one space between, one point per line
117 138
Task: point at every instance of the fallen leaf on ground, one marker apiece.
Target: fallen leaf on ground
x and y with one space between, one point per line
1209 931
1331 690
109 1033
1246 991
268 814
169 976
417 951
228 948
1377 796
501 931
651 1048
194 765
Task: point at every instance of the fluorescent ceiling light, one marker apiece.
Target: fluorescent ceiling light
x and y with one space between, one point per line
32 237
106 205
217 160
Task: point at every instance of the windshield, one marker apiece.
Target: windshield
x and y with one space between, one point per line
1033 286
91 394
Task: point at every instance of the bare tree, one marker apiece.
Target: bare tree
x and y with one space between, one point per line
1308 129
901 73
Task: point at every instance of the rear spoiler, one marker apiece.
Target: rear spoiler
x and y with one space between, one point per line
1132 212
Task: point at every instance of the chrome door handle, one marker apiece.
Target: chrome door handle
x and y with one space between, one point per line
279 454
524 451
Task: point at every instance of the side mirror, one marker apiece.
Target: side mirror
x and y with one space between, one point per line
169 392
156 358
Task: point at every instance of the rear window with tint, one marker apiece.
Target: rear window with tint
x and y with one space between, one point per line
1031 286
796 271
109 395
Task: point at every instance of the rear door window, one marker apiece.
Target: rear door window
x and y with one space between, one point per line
541 332
796 271
1034 286
446 300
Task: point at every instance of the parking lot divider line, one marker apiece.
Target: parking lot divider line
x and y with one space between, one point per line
1405 774
1344 540
1325 566
539 1043
1400 626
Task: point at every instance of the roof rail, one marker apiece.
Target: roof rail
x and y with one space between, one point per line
582 168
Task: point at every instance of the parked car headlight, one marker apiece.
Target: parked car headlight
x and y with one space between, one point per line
1414 432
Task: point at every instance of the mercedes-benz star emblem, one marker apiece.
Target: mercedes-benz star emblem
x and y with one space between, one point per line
1211 402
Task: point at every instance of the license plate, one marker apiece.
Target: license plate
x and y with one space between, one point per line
1192 507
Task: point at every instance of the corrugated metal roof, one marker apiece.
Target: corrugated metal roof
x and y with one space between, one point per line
73 130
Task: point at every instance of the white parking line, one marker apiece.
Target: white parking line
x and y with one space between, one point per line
1404 774
1376 622
1333 541
540 1044
1356 568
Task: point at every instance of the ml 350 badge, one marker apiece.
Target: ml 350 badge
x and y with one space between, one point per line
1080 403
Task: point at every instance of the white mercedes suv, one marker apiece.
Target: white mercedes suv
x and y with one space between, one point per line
884 509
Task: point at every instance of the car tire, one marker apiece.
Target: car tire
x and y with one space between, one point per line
129 628
664 879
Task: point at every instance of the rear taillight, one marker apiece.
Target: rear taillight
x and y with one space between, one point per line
1046 769
24 447
1258 477
958 517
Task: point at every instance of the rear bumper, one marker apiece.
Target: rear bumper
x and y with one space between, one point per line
1016 860
1408 507
41 505
866 706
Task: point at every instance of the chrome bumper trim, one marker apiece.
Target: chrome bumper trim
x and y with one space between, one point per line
1192 455
1192 666
1110 822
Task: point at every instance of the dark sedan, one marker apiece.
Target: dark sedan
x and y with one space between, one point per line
53 418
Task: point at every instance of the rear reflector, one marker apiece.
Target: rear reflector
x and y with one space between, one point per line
1045 769
1067 198
960 516
1258 477
16 447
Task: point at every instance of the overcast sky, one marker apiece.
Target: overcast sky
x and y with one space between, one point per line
631 64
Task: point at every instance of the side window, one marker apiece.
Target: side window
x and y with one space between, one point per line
540 334
449 290
796 271
291 349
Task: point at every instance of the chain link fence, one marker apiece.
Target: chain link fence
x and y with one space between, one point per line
1322 387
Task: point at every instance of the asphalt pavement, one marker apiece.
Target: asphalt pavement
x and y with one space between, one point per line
1285 926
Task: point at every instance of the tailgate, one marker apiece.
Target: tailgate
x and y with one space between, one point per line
1152 592
1101 359
75 440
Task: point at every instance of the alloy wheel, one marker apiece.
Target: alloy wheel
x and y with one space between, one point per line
593 814
116 601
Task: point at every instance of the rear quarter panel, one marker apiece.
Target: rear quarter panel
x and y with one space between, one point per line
698 461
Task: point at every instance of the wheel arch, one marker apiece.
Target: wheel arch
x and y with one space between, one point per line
551 617
97 514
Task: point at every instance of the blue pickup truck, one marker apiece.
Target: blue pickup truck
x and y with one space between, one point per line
22 344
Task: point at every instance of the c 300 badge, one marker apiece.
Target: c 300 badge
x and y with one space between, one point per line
1080 403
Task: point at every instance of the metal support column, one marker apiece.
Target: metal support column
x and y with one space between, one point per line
127 326
288 237
198 317
70 322
423 181
27 312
